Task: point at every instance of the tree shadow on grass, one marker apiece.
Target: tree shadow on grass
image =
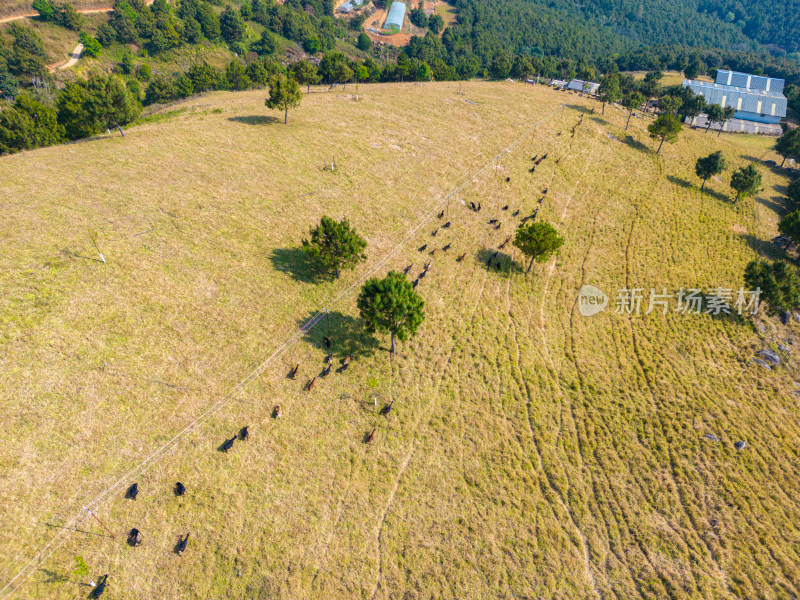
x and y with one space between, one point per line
680 182
579 108
255 120
347 334
706 190
600 120
296 263
777 204
637 145
764 248
502 263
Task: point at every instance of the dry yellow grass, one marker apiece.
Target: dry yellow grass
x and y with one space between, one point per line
532 452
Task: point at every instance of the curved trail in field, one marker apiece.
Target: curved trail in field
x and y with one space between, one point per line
73 59
82 11
171 445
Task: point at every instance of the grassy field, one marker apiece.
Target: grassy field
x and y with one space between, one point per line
532 452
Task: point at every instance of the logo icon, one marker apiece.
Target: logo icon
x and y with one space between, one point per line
591 300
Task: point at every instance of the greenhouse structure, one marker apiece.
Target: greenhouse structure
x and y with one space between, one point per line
394 21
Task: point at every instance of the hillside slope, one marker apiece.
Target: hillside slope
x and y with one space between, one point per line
531 452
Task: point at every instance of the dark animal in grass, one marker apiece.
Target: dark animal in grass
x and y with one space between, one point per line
460 258
472 204
546 190
503 245
524 220
541 199
329 358
435 231
433 252
370 437
346 362
422 248
327 341
228 444
491 221
415 283
408 268
515 213
532 169
441 214
479 207
310 384
422 275
244 433
491 258
498 226
134 537
508 179
132 492
446 225
100 587
427 266
180 489
534 158
446 248
180 548
545 156
505 207
277 413
326 371
387 408
293 372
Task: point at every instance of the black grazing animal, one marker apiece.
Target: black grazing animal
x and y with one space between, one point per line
422 248
346 361
446 225
492 221
498 225
541 199
505 207
293 372
427 266
435 231
180 489
408 268
370 437
532 169
415 283
134 537
446 248
329 358
101 587
460 258
433 252
244 433
181 547
545 191
441 214
545 156
326 371
277 412
387 408
534 158
310 384
422 275
132 492
228 444
327 341
515 213
508 179
503 245
479 207
475 208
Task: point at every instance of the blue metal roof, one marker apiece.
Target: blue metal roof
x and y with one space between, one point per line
750 82
397 12
739 98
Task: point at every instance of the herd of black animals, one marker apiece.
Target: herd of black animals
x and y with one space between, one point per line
135 536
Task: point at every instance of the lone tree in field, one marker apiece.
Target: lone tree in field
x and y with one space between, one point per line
391 305
788 144
284 93
715 114
708 166
727 115
304 73
790 226
609 90
335 246
779 283
631 102
538 241
746 182
666 128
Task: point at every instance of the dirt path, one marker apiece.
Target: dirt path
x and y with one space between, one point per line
83 11
73 58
